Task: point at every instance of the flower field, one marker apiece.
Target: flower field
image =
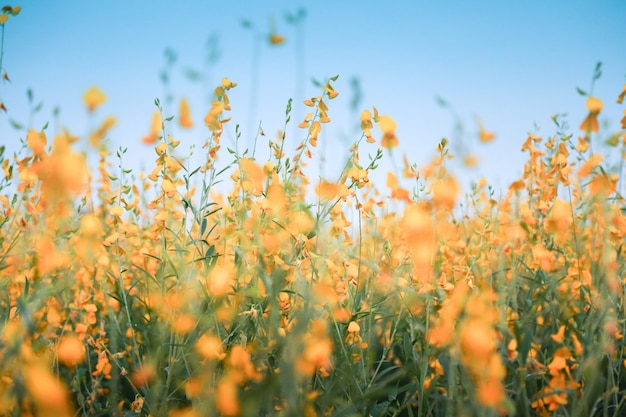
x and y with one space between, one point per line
158 293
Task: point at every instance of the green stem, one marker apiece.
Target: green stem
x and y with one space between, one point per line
1 47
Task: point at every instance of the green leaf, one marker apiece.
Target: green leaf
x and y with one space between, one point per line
16 125
288 109
203 227
440 101
581 91
597 73
192 74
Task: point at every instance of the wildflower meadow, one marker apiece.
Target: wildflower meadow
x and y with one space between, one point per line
244 287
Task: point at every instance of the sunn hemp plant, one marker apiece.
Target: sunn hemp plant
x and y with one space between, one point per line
156 294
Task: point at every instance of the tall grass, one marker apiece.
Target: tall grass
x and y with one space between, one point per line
153 293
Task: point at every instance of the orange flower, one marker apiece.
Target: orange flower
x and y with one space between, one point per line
97 136
590 124
184 324
594 105
445 192
103 367
155 128
620 98
276 39
48 393
228 84
221 280
70 351
317 352
93 98
354 327
477 340
397 192
603 184
490 393
485 136
143 375
471 160
276 199
210 347
116 211
388 126
512 349
329 191
37 142
253 176
183 412
560 218
586 169
227 400
185 115
63 172
366 125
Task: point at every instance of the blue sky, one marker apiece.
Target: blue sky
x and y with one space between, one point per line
511 63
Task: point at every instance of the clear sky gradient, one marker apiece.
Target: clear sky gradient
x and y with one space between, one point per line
511 63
